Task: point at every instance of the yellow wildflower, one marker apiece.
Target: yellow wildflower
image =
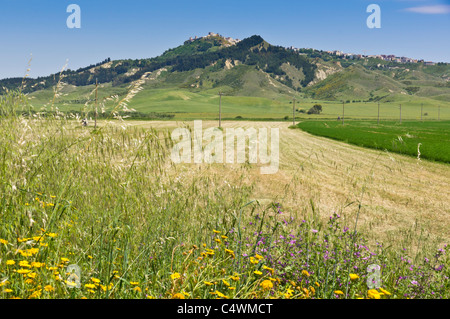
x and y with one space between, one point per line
257 272
7 290
95 280
134 283
175 276
266 285
259 257
385 291
354 276
137 289
89 286
216 231
338 292
373 294
226 283
3 241
49 288
305 273
23 271
10 262
178 296
208 283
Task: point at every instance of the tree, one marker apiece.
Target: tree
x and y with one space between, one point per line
316 109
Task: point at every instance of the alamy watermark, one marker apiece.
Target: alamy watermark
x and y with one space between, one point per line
74 20
374 20
189 147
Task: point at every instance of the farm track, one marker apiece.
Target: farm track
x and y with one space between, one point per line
402 198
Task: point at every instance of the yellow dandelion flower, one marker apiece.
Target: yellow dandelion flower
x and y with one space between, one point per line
24 263
52 235
235 277
36 264
259 257
137 289
338 292
257 272
3 241
373 294
10 262
64 260
208 283
175 276
7 290
32 275
216 231
89 286
267 285
217 240
29 281
317 284
253 260
305 273
226 283
134 283
269 269
354 276
178 296
90 257
224 237
23 271
95 280
49 288
385 291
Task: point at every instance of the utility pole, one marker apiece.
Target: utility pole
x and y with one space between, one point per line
421 112
220 109
96 102
293 112
378 113
343 112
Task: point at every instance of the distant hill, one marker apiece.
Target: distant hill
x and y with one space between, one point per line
248 68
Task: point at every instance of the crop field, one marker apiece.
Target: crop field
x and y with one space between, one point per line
112 206
428 140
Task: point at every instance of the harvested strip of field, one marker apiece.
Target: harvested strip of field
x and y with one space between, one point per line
403 200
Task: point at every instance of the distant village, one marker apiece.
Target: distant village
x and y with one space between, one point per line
389 58
212 35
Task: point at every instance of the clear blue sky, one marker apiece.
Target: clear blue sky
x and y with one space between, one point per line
146 28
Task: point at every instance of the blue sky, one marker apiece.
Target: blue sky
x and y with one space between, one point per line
146 28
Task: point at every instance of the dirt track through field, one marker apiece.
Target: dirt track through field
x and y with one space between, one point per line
403 197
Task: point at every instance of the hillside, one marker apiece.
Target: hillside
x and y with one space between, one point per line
253 72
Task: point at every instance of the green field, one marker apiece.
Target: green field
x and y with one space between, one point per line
405 138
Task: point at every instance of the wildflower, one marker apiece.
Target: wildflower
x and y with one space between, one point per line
24 263
230 252
373 294
178 296
338 292
23 271
305 273
208 283
313 291
226 283
259 257
221 295
36 294
90 257
36 264
232 288
317 284
354 276
29 281
89 286
217 240
137 289
49 288
52 235
3 241
254 260
385 291
266 285
32 275
235 277
10 262
95 280
175 276
257 272
63 259
269 269
134 283
7 290
216 231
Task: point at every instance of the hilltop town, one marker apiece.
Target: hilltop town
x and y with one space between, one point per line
337 53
